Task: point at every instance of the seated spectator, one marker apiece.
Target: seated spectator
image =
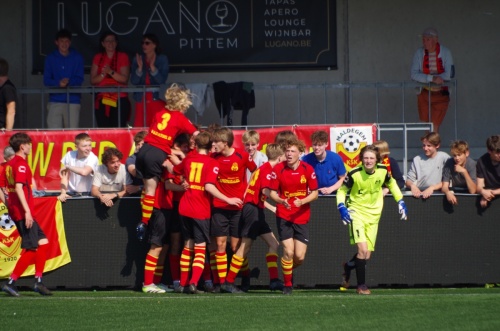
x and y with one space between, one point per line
134 178
251 143
459 173
78 168
328 166
110 177
426 171
391 164
488 171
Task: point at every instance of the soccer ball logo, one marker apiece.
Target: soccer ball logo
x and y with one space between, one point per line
6 223
351 143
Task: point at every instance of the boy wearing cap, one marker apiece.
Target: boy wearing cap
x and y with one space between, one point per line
432 63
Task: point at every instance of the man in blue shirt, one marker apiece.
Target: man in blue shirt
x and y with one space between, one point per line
328 166
63 68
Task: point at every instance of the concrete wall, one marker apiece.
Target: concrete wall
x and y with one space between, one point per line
376 42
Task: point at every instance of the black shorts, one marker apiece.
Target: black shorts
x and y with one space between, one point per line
196 229
149 161
287 230
159 227
29 237
176 223
225 223
253 222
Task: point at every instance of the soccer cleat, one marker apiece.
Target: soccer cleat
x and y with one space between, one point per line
245 284
42 289
217 288
11 290
141 231
363 289
345 276
231 288
194 290
152 288
276 285
165 288
182 289
287 290
209 286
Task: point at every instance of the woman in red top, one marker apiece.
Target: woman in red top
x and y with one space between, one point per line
110 68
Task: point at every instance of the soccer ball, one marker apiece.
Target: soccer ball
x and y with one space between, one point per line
351 143
6 223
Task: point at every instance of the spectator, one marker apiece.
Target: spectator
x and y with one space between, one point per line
390 163
328 165
134 178
8 154
110 177
34 242
426 171
459 172
78 168
63 68
110 68
488 171
251 143
432 63
8 98
148 68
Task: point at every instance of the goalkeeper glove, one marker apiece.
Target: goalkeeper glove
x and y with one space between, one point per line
403 211
344 213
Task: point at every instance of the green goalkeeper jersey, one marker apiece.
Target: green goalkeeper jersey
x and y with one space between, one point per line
366 197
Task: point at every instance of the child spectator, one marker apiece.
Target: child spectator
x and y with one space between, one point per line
488 171
78 168
459 172
426 171
251 141
390 163
110 177
134 178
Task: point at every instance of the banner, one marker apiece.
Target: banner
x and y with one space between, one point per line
49 146
48 214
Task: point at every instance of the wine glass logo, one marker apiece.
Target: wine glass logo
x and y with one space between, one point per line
222 16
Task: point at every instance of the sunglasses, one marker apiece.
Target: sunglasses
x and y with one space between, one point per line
146 42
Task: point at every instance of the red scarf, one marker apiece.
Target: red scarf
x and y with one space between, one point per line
439 63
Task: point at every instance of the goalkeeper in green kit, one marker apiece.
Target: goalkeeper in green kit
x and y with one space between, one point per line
364 208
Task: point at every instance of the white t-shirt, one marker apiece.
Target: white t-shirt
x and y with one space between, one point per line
110 182
78 183
260 159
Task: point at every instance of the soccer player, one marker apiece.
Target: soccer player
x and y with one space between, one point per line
293 187
328 165
459 172
251 143
34 242
366 200
166 125
231 181
200 172
78 168
254 223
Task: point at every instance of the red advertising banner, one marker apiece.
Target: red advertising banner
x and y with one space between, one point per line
50 146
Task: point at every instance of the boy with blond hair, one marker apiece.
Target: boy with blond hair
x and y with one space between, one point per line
77 169
251 142
459 172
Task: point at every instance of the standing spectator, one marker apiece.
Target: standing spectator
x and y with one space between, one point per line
251 143
426 171
148 68
328 165
109 178
459 172
78 168
134 178
390 163
8 97
293 187
432 63
34 242
488 171
365 202
63 68
8 154
110 68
